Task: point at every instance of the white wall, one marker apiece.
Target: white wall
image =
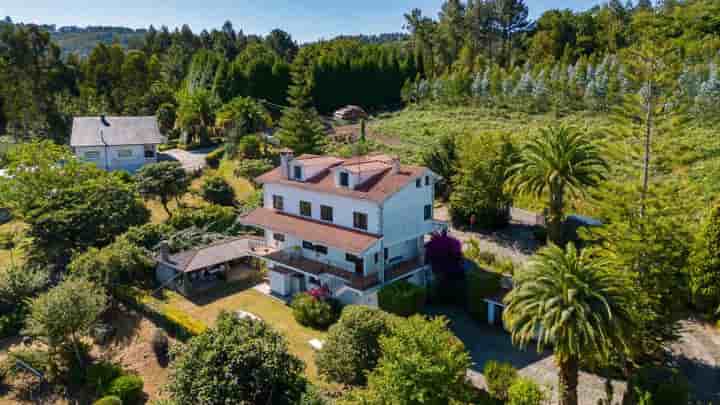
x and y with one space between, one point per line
343 207
113 160
403 213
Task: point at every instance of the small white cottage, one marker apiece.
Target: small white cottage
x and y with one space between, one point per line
116 143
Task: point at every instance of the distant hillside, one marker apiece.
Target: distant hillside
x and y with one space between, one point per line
82 40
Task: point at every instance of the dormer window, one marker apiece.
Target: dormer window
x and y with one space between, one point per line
344 179
418 183
297 172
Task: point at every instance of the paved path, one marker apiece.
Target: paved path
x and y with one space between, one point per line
486 343
191 160
698 355
515 242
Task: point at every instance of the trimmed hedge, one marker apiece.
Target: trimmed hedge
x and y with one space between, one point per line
402 298
175 322
314 312
129 388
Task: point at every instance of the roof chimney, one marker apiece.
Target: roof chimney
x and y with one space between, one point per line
286 155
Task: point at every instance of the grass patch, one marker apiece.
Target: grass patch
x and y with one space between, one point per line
241 296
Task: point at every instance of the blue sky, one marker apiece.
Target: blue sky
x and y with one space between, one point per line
306 20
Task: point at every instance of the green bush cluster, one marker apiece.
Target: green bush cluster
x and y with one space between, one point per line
216 190
499 378
402 298
174 322
129 388
99 376
660 386
524 392
213 158
314 312
109 400
352 345
212 218
252 168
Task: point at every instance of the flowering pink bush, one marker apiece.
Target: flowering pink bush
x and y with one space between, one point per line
320 293
444 253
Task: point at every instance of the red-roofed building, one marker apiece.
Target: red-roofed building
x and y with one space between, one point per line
352 225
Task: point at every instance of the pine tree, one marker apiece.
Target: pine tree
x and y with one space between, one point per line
300 126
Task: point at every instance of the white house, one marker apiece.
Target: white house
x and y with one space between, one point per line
116 143
352 225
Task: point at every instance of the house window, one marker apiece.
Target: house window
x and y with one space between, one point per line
344 179
427 180
92 155
376 257
428 212
278 202
326 213
360 220
149 153
124 153
351 258
297 172
305 209
418 183
307 245
279 237
321 249
386 253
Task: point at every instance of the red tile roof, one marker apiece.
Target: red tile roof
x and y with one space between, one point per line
349 240
377 189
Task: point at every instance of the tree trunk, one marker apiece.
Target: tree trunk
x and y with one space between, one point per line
555 218
646 158
568 381
164 202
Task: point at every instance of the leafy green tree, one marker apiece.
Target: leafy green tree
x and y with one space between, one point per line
282 43
163 181
430 362
352 347
244 113
570 301
64 315
705 264
442 158
559 161
236 361
479 185
216 190
115 266
20 282
196 112
300 126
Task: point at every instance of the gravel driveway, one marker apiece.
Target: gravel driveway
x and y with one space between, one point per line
485 342
191 160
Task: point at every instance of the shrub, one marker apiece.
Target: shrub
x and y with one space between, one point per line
505 266
252 168
147 236
524 392
499 378
11 323
160 345
216 190
249 147
314 312
444 253
212 218
661 386
213 158
352 345
479 285
129 388
109 400
98 376
402 298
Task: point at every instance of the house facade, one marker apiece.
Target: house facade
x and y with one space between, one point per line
116 143
352 225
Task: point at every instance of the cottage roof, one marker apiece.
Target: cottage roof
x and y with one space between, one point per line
114 131
350 240
209 256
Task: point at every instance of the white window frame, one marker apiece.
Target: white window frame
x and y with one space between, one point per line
120 154
95 155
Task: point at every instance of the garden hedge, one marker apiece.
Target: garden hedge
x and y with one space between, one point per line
402 298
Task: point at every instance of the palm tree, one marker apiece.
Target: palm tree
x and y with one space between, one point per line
560 160
569 300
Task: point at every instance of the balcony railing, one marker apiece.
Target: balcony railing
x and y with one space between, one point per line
297 261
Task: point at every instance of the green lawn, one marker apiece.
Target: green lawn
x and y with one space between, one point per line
241 296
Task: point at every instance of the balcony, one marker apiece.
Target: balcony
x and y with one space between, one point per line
316 268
